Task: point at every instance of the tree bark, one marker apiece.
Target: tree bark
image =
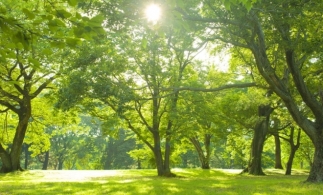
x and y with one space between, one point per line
158 155
46 161
316 173
204 157
138 163
26 146
278 161
6 161
110 154
260 132
293 148
11 160
60 164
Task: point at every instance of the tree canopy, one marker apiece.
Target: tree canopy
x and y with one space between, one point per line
101 77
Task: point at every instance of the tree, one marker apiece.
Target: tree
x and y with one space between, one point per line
27 64
116 151
144 96
283 39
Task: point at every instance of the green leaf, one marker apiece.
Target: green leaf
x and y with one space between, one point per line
58 44
59 22
72 42
3 9
78 32
4 27
248 5
72 2
28 13
47 52
96 21
63 14
35 63
227 5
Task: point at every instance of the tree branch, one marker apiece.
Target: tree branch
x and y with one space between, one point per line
8 105
9 95
229 86
43 86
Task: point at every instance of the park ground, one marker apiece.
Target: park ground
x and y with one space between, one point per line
133 182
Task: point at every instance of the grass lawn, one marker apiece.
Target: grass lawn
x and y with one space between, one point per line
126 182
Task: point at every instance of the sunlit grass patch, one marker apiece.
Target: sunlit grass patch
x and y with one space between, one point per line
124 182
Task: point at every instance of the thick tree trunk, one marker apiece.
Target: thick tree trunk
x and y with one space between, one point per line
316 173
46 161
6 161
162 170
158 155
26 146
11 160
278 161
260 132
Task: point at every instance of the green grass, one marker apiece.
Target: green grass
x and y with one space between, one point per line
133 182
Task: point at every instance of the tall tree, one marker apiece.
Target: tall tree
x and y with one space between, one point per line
32 34
283 38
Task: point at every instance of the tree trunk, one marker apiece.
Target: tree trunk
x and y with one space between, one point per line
293 149
290 161
46 160
159 160
162 170
168 148
184 160
26 146
11 160
316 173
278 161
260 132
167 155
60 164
110 154
138 163
6 161
204 157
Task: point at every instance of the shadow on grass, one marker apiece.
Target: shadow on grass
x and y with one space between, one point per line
132 182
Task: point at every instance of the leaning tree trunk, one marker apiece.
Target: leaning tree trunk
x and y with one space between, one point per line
278 160
260 132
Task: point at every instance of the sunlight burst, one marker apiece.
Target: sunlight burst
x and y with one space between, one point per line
153 13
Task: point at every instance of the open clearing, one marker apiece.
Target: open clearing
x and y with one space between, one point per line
189 181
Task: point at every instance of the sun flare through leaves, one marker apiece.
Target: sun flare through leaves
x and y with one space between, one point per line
153 13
